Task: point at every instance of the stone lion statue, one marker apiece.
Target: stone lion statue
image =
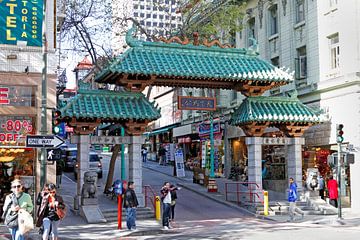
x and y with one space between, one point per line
89 187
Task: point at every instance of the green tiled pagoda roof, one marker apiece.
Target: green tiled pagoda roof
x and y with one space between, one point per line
173 60
110 105
274 110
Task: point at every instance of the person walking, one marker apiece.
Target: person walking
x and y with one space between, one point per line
130 205
13 203
173 202
60 165
166 199
144 153
333 191
292 197
162 155
321 186
48 217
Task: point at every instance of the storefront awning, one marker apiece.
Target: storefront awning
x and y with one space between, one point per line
161 130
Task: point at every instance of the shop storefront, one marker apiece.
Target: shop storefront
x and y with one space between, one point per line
16 161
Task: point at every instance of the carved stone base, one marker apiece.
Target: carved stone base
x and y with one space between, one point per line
89 201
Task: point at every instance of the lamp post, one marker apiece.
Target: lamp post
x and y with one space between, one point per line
43 99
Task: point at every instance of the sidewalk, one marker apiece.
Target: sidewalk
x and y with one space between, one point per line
349 218
75 226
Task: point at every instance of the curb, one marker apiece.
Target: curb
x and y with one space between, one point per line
229 204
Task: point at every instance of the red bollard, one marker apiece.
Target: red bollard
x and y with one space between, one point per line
119 198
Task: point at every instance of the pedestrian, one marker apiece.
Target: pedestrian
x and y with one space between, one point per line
144 153
333 191
162 155
48 218
13 203
166 200
292 197
173 202
130 205
321 186
60 165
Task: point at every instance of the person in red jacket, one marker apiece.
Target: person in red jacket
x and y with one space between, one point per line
333 191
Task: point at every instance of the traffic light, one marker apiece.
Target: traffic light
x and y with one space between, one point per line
56 121
339 133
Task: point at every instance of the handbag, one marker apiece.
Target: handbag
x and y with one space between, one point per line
11 218
61 212
26 221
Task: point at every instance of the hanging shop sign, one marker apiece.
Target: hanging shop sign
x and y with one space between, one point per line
204 128
14 129
21 21
197 103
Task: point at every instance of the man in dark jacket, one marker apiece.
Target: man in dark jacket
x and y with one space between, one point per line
130 204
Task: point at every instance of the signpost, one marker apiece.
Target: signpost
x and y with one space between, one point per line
205 104
43 141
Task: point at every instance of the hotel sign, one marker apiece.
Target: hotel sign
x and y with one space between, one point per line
21 20
197 103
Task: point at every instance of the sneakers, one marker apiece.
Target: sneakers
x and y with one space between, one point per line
166 228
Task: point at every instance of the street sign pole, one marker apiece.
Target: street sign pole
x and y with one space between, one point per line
123 172
43 131
339 180
212 170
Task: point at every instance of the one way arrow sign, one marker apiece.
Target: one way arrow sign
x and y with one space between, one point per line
45 141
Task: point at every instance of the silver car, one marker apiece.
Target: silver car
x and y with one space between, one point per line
94 165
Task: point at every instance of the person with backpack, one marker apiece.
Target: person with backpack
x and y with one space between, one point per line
50 213
13 203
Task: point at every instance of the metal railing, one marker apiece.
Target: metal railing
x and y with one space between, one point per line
244 190
150 195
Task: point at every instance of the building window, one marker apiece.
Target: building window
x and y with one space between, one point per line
301 63
161 24
148 15
273 13
142 7
155 24
251 31
161 16
154 15
136 14
334 51
300 10
142 14
148 24
275 61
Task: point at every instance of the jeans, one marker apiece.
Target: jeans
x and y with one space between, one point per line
130 218
15 234
293 210
144 157
50 226
172 212
166 214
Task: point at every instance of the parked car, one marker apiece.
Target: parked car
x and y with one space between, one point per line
70 158
94 165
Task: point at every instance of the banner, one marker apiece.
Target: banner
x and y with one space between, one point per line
21 20
179 163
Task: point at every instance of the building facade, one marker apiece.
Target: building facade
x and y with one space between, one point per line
310 38
21 66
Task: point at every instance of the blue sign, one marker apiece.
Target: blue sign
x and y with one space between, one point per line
21 20
204 128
